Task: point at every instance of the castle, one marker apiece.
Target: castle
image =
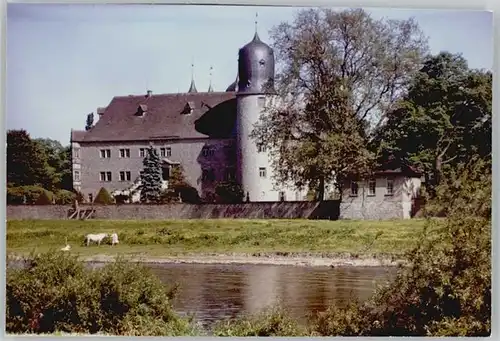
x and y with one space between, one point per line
205 132
208 133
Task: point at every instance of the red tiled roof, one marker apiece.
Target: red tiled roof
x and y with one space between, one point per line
164 117
77 135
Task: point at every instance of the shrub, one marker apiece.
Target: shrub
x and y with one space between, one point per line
447 288
44 199
273 322
229 192
121 198
103 197
55 292
79 197
65 197
15 196
18 195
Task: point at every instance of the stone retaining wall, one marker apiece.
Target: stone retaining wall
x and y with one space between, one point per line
262 210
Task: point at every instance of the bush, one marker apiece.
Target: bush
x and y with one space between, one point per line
229 192
79 197
44 199
65 197
17 195
121 198
447 288
55 292
103 197
274 322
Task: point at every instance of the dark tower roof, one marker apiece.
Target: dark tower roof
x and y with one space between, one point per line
256 68
234 85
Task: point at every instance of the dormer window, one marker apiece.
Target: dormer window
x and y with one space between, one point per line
141 110
188 108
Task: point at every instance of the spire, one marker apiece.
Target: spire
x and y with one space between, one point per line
210 88
256 36
192 87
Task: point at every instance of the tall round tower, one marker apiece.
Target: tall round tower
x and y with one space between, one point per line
255 87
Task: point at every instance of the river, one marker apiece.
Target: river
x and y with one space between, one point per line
214 292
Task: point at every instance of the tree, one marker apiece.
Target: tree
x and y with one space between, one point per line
90 121
103 197
339 72
26 161
178 187
444 119
59 162
151 178
229 192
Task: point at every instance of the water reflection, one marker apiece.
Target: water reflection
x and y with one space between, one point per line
214 292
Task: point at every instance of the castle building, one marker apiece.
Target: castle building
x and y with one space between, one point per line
208 133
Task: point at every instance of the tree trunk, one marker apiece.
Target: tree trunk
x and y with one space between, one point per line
438 165
321 189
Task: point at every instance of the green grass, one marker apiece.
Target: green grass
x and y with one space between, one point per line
155 238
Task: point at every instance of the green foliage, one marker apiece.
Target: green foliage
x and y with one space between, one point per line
90 121
56 292
103 197
25 195
26 161
44 198
151 178
79 197
346 67
121 198
444 119
179 188
65 197
274 322
40 162
447 288
229 192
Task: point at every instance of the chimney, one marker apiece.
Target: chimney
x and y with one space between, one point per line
149 93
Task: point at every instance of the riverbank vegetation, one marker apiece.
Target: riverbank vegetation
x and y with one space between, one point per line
178 237
446 290
55 292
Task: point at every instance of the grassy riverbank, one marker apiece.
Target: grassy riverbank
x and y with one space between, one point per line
181 238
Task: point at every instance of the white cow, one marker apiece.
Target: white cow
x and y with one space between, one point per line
95 238
114 239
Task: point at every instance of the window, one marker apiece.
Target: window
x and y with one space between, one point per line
354 188
142 152
105 153
162 152
124 153
371 187
208 151
91 197
390 187
262 102
105 176
262 172
125 176
141 173
168 152
76 176
76 153
261 148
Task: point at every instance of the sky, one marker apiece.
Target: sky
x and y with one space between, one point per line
64 61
